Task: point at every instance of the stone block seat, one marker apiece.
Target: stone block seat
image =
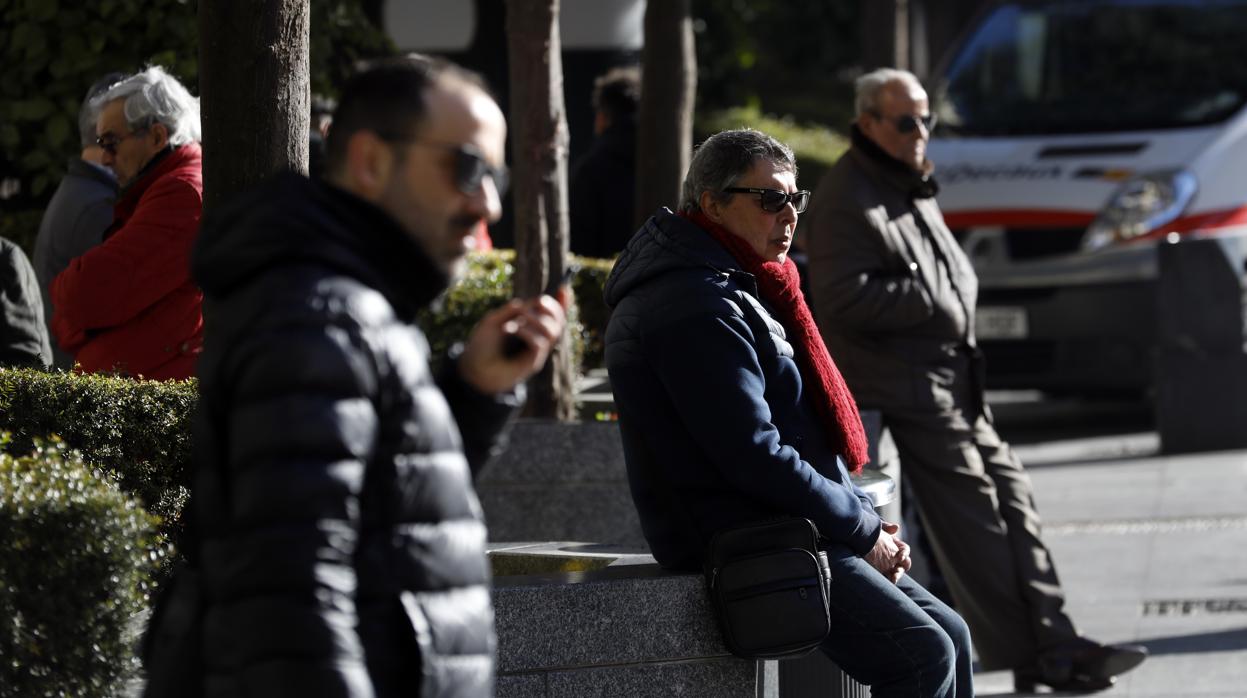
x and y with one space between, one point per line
577 619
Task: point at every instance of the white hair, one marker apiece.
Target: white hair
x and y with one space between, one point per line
154 96
868 87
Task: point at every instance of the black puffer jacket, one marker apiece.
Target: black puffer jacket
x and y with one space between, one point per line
340 539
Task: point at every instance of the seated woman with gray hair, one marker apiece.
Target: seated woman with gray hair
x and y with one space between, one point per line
733 412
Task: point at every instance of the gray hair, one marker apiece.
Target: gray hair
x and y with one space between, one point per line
725 157
154 96
868 87
89 112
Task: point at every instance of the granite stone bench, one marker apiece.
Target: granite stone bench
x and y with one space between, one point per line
578 620
602 618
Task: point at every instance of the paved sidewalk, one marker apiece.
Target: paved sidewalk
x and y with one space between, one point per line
1151 549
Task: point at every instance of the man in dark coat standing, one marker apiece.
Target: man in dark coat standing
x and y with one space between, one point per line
339 540
894 298
80 210
602 196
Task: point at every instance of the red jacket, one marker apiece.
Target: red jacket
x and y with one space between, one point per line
129 305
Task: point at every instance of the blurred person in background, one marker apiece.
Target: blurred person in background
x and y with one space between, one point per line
80 211
128 305
601 198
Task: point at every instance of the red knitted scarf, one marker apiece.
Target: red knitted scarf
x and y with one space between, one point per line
780 286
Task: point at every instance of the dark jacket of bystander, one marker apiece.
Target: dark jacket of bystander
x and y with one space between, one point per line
715 428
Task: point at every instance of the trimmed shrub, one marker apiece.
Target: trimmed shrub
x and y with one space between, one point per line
485 286
74 569
588 286
137 432
488 284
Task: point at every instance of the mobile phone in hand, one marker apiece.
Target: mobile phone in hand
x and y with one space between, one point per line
512 345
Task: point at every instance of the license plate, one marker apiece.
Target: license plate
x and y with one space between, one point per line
1001 322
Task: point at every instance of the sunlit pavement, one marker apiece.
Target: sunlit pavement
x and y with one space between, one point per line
1151 549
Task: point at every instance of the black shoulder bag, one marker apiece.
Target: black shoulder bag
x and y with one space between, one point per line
769 583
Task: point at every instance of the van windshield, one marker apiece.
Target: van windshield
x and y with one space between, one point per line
1097 65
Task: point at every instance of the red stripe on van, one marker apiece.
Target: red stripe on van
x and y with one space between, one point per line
1204 221
1019 218
1047 218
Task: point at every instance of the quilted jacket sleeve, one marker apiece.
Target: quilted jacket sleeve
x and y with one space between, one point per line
297 402
482 419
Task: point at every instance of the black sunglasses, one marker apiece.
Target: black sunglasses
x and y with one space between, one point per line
908 123
108 142
774 200
471 168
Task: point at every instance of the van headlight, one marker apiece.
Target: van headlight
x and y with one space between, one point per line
1140 205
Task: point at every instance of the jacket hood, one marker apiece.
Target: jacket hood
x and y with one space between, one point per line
290 220
666 242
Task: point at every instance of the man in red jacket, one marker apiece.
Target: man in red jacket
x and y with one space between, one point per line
128 305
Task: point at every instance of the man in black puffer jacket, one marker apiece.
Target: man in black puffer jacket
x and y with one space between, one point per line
339 540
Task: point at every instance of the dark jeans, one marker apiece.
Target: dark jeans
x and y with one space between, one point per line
896 638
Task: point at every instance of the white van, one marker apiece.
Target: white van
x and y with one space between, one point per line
1072 137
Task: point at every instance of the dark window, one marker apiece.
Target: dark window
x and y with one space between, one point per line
1086 66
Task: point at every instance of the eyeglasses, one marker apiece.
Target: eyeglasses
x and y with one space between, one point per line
109 142
906 124
471 167
774 200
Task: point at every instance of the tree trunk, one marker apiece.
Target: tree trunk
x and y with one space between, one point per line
665 119
254 92
539 158
885 34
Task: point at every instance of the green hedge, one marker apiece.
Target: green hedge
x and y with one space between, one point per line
74 569
139 431
136 431
488 284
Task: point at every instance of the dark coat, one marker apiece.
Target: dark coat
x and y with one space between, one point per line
128 304
602 196
23 336
893 294
714 427
74 222
340 539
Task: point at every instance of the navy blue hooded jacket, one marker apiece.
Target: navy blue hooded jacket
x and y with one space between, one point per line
715 429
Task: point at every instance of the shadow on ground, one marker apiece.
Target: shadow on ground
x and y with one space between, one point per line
1222 641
